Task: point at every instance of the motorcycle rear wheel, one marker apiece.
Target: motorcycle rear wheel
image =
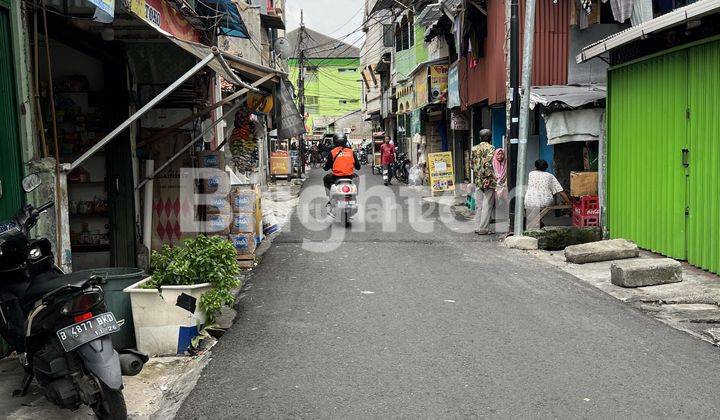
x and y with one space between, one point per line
111 405
346 219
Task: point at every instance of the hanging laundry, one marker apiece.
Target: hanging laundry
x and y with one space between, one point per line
642 12
621 9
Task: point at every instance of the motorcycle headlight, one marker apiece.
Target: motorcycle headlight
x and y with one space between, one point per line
82 303
35 253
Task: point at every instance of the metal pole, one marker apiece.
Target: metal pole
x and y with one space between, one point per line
125 124
529 39
301 94
512 137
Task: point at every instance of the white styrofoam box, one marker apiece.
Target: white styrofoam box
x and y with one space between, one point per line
162 327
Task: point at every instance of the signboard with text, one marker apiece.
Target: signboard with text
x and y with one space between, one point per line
442 174
438 81
160 14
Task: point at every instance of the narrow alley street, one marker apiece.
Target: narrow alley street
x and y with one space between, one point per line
441 325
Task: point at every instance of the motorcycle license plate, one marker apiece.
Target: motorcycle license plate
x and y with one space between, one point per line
86 331
344 204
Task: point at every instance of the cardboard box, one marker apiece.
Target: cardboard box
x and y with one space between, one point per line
243 199
244 243
243 223
583 183
211 159
218 224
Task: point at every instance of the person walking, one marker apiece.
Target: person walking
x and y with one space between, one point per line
387 158
501 190
485 182
542 187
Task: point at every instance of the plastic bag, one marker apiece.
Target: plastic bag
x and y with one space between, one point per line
415 175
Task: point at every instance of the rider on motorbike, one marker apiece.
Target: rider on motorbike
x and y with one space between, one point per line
342 161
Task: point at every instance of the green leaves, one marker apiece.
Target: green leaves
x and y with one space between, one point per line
200 260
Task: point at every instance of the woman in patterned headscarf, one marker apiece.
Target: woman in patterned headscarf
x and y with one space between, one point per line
485 181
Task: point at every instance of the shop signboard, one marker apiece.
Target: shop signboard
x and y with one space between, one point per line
160 14
442 174
453 87
438 81
421 88
280 163
458 121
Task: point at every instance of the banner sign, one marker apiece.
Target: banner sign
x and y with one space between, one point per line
453 87
161 15
421 88
442 174
291 123
438 82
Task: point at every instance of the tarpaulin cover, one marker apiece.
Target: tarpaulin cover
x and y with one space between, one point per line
231 23
576 125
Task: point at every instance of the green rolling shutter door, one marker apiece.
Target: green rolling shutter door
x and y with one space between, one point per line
704 157
11 197
646 134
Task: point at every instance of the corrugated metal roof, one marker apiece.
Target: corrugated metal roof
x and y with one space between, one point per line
430 14
319 45
676 17
570 95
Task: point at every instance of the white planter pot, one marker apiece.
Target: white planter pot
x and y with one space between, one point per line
162 327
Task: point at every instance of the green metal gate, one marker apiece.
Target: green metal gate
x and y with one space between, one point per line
646 134
664 154
10 169
703 246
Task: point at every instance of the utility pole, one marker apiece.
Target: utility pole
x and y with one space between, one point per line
512 137
301 91
529 39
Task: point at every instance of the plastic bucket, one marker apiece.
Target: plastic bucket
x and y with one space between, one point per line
118 302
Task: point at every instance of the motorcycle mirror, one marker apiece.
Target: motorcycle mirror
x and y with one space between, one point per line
31 182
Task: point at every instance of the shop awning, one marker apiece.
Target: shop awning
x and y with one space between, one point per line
385 5
677 17
430 14
566 96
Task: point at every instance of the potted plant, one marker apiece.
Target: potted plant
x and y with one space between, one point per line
188 287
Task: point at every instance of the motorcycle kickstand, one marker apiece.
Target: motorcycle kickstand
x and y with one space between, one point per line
27 380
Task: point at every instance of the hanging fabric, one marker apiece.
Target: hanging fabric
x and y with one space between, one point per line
642 12
621 9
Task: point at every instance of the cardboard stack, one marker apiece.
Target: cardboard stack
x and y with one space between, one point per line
246 227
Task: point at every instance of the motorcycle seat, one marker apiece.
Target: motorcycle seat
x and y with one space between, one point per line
48 282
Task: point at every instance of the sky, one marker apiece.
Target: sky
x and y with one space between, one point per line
335 18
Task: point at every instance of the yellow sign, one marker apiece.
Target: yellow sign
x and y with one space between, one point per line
280 163
438 81
442 174
421 89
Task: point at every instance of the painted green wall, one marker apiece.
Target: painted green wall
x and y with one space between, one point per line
337 89
407 60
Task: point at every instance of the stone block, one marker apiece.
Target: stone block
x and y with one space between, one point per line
553 238
645 272
615 249
521 242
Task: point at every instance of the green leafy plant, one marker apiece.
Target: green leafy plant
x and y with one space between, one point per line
200 260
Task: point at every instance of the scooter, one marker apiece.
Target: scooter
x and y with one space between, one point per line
363 157
343 200
58 323
402 168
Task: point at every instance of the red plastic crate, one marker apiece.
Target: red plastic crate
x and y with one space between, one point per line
585 221
587 206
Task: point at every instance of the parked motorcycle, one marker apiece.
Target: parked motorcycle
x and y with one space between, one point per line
401 168
363 156
58 323
343 200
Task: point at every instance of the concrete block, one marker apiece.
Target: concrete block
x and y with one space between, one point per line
615 249
521 242
645 272
553 238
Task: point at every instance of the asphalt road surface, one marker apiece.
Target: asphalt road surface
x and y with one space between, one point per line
440 324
